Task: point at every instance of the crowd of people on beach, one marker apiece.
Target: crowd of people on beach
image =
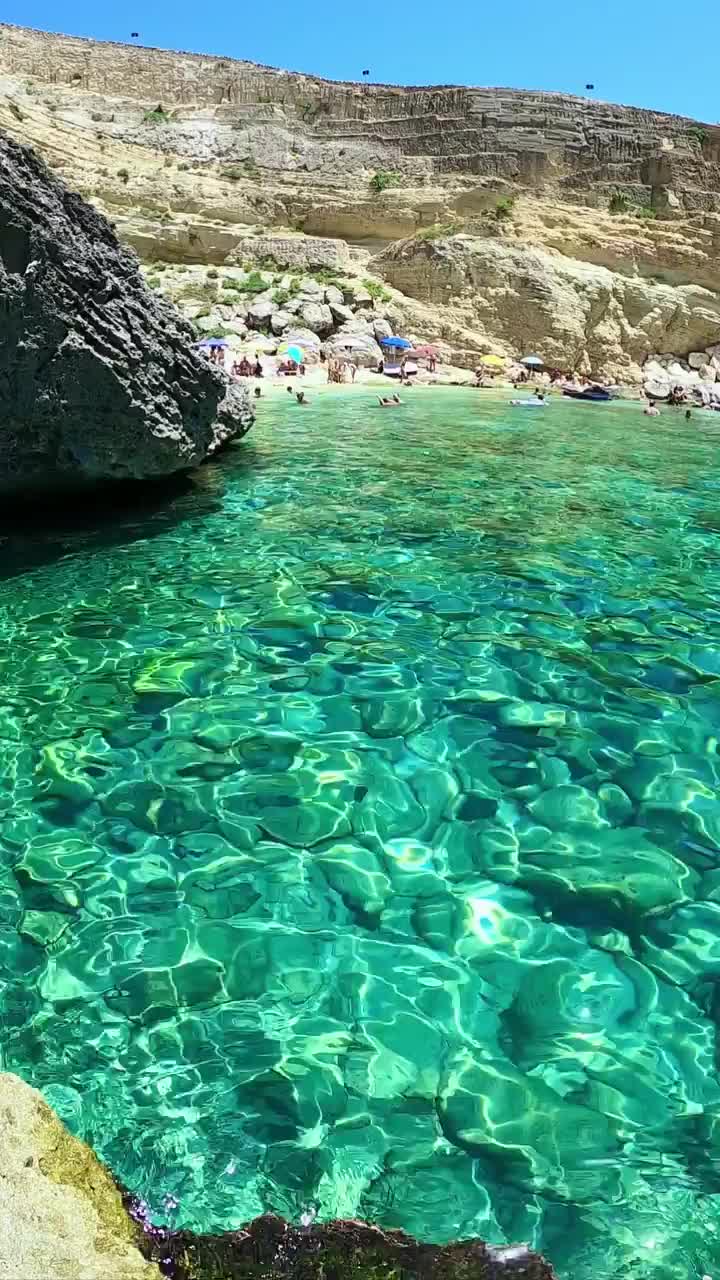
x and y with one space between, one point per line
344 368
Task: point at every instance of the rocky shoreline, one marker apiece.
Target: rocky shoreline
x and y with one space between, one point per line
62 1215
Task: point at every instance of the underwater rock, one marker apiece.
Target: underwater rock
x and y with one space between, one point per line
61 1214
272 1248
99 379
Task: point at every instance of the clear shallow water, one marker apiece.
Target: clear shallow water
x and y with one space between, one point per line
359 836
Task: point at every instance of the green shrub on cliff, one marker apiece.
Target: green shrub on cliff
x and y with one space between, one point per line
255 283
156 115
376 291
697 132
384 178
621 203
326 276
439 231
504 208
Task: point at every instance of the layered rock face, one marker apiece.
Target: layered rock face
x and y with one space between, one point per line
98 379
201 159
514 134
578 314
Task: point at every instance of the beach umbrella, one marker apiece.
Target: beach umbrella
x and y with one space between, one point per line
496 361
398 344
292 352
532 362
212 342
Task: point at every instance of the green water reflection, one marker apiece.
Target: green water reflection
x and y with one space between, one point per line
359 830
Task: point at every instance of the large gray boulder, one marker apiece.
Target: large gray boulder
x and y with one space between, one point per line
99 378
259 314
360 347
279 321
318 317
340 313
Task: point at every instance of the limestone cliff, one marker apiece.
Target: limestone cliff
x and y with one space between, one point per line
198 158
61 1215
577 314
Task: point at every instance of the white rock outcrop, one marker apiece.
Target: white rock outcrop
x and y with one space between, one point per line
61 1215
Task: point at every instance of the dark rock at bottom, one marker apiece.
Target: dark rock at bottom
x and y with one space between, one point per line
273 1249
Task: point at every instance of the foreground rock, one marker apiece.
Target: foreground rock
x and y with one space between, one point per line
98 378
61 1215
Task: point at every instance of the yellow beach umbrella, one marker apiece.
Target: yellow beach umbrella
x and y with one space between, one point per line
494 360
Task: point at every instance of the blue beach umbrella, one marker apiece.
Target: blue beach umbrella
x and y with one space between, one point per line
400 344
292 352
212 342
533 362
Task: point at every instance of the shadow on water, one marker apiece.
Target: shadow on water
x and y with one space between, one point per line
38 531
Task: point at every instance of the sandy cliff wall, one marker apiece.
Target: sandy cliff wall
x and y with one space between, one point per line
536 138
240 150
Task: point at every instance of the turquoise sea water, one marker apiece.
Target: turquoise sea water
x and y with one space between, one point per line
359 831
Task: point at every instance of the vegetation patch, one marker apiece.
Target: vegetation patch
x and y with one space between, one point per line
123 175
219 331
383 179
327 276
377 291
156 115
697 132
439 231
622 204
504 208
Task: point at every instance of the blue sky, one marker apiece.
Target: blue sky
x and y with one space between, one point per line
639 52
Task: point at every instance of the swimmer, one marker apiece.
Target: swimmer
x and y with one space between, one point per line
258 392
651 411
300 397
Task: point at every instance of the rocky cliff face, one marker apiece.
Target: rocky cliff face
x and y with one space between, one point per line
577 314
98 379
542 138
198 158
61 1215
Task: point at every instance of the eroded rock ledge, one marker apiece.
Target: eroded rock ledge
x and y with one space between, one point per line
62 1216
99 379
